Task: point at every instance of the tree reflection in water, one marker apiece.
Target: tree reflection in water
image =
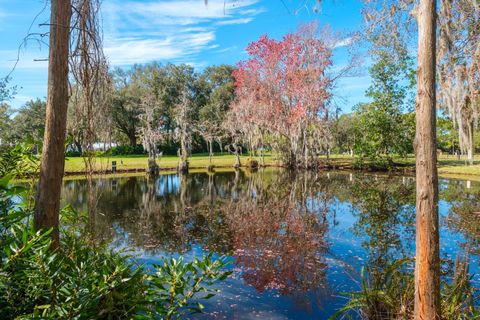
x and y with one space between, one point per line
464 213
385 212
279 247
275 224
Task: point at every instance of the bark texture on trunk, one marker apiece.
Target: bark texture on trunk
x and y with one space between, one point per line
471 144
427 267
133 139
183 167
47 205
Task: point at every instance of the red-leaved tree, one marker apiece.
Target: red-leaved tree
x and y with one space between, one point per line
284 91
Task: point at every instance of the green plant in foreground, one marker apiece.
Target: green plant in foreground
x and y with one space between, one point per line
385 294
176 286
82 279
73 282
389 294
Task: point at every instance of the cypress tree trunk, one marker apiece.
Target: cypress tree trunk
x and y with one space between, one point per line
183 168
210 151
132 137
471 145
427 267
47 206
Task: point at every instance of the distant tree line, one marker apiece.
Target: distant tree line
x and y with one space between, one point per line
277 100
142 100
145 104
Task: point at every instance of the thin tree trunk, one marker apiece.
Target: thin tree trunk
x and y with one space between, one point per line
427 267
183 151
47 206
210 151
471 145
237 156
183 168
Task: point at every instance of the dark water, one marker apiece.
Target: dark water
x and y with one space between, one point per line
296 241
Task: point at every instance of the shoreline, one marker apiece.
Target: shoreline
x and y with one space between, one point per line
325 167
406 170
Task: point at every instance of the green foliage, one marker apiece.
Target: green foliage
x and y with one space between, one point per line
18 161
73 153
388 293
447 135
458 296
159 88
383 128
29 122
219 85
344 133
75 282
385 294
83 279
126 150
175 283
5 123
6 93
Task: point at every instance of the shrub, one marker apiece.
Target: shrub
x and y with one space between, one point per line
126 150
18 161
73 153
83 279
174 285
72 282
390 293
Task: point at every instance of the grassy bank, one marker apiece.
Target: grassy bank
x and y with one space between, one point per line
139 162
447 165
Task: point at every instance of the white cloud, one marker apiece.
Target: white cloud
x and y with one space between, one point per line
226 49
27 59
343 42
21 99
183 12
234 21
138 31
175 30
133 50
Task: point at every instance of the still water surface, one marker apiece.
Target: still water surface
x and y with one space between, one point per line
296 241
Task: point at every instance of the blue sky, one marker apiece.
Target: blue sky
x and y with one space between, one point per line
177 31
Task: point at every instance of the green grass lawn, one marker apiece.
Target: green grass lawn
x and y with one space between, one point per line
140 162
447 165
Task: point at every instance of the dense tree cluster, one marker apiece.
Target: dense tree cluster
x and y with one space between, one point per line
169 107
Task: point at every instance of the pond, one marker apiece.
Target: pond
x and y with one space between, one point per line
297 241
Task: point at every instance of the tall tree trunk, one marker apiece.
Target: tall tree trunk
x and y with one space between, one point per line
427 267
471 145
183 149
133 139
210 151
183 167
47 206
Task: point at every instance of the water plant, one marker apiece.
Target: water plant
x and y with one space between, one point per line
388 293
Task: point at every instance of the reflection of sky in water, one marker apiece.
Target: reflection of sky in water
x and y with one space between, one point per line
167 184
345 255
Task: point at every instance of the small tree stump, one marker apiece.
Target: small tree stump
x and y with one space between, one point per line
183 167
153 168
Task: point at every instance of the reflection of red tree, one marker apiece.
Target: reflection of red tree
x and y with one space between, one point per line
278 245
